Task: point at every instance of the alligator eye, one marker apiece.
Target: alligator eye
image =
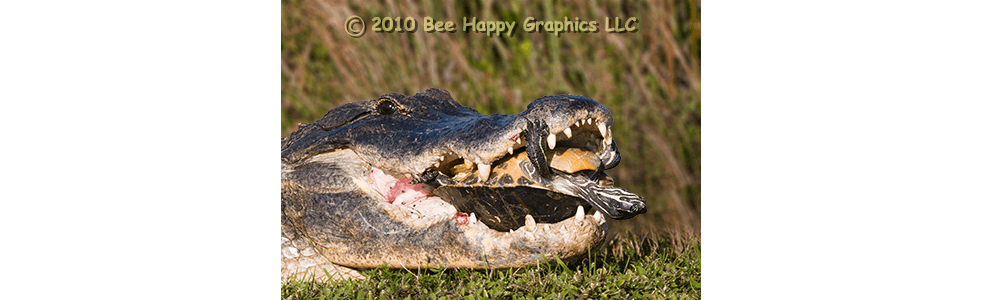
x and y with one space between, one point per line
386 107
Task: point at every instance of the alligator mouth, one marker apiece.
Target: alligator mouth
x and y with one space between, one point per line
543 177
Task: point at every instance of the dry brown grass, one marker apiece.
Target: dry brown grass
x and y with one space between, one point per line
649 79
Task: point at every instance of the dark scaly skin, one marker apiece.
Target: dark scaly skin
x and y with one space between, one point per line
535 134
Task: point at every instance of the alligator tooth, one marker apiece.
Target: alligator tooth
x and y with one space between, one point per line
485 171
511 151
609 139
597 216
472 220
529 223
568 132
518 140
603 129
579 213
577 123
441 157
589 121
552 141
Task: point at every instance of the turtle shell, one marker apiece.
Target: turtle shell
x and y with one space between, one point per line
572 160
504 208
502 202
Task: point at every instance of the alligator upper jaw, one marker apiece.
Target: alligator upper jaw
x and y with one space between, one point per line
590 133
513 192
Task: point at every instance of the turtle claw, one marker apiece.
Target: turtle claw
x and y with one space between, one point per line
425 177
432 177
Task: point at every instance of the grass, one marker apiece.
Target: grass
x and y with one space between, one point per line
629 267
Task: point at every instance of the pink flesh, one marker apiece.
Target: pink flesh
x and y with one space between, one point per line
402 193
461 218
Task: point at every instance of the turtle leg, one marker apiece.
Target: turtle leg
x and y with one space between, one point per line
433 177
609 158
425 177
535 133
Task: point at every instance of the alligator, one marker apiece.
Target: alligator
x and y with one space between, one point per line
422 181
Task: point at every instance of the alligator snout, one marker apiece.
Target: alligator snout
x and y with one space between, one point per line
612 201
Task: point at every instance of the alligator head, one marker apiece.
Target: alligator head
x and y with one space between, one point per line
421 181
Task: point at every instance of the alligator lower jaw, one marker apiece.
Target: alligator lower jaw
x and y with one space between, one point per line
417 207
